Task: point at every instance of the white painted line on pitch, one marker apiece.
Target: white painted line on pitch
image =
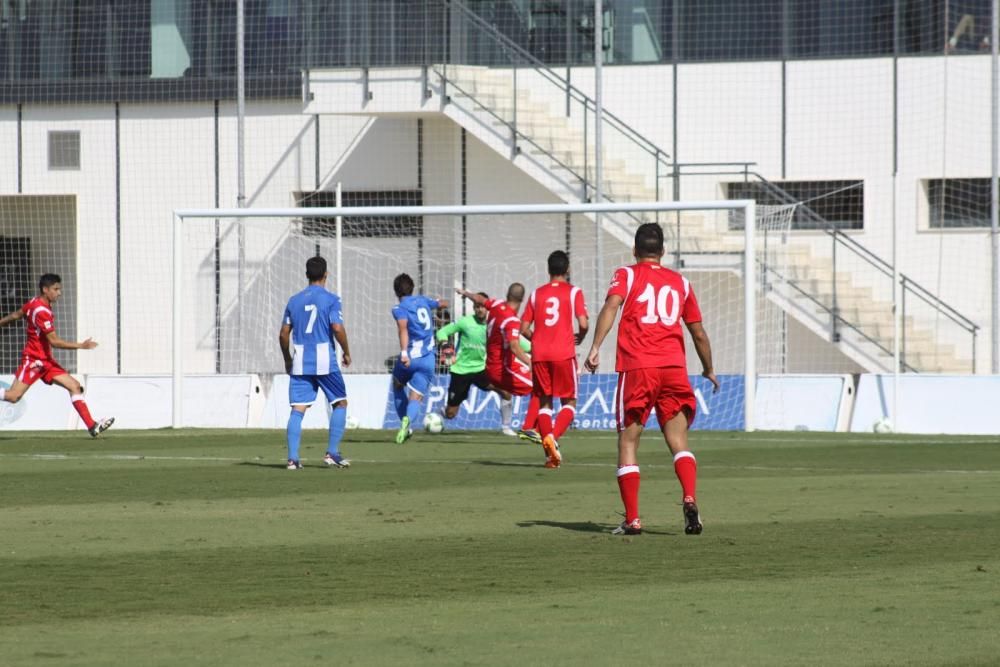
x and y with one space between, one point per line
526 464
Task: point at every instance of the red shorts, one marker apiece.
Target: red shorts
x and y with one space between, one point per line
32 370
666 389
555 379
516 382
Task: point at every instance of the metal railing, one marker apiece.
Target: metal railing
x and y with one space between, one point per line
465 31
839 240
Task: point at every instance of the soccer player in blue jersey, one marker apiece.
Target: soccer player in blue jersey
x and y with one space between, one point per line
413 372
311 316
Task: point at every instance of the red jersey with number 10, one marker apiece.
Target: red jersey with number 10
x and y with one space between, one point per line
558 304
656 300
38 324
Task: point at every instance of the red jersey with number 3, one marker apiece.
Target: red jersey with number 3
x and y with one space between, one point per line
656 302
38 324
553 308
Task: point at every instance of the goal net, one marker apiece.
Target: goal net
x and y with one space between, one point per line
233 276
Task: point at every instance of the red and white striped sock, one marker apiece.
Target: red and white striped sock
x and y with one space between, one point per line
628 486
686 468
81 409
567 414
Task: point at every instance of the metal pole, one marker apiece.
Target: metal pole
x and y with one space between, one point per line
178 331
598 145
750 317
995 187
340 243
241 190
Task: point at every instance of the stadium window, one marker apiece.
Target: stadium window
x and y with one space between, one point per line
822 204
64 149
955 203
367 227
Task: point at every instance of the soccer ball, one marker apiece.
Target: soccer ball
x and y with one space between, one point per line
882 425
353 422
433 423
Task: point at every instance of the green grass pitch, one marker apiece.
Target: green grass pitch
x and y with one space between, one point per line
198 547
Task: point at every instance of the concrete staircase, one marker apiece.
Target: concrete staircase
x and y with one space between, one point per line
532 130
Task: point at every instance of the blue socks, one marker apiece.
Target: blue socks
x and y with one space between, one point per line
338 422
412 410
399 400
294 434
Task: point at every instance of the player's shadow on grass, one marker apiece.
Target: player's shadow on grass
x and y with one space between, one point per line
507 464
582 526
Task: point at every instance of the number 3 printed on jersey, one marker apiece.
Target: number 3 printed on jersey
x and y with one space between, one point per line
663 306
552 310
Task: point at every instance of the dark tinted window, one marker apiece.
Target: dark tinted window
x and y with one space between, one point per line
822 204
959 202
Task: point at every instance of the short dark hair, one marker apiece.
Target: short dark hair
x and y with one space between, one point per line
48 280
483 294
558 263
402 285
315 269
515 292
649 240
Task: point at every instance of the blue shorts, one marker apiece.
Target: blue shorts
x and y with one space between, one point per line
302 388
419 376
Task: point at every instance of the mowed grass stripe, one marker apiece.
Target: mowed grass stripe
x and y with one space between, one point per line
551 555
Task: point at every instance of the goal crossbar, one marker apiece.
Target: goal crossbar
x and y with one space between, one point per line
748 206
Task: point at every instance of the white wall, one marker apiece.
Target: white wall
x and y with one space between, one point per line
838 126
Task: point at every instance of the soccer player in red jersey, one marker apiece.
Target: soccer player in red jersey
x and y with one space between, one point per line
548 321
36 358
508 366
652 368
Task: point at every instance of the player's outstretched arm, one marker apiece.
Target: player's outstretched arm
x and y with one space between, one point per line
340 334
605 320
447 330
475 298
13 317
284 341
704 349
58 343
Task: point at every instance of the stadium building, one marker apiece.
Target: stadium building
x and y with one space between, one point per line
862 129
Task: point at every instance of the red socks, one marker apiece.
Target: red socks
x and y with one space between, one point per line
687 473
545 422
566 415
531 416
628 486
81 409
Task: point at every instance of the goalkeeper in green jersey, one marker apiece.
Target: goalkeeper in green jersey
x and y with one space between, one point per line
469 366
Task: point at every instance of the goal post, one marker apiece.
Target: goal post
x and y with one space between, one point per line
713 245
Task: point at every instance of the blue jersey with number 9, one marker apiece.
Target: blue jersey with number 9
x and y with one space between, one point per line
310 314
418 311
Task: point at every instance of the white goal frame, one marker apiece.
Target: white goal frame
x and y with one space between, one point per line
748 206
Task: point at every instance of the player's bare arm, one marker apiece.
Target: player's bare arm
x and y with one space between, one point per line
13 317
340 334
605 320
704 349
526 329
475 298
404 342
583 326
284 341
58 343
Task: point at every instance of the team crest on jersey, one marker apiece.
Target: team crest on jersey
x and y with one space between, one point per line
47 325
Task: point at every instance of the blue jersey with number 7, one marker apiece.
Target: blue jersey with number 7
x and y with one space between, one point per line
418 311
310 314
